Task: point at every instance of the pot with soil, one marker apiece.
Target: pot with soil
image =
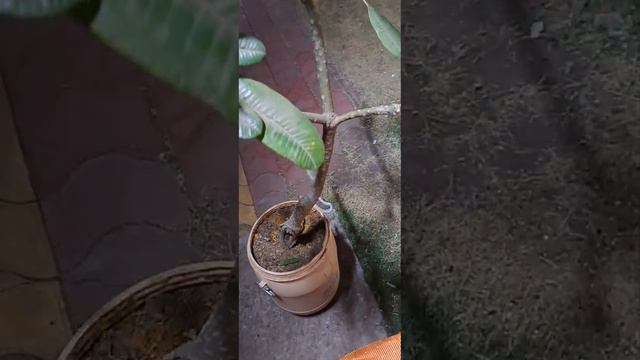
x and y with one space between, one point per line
291 247
302 279
162 317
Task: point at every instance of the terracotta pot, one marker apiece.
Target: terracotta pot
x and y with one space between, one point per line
308 289
132 298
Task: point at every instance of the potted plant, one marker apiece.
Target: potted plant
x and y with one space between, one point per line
291 247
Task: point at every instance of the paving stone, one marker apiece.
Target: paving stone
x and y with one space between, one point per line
246 212
206 161
14 178
242 178
200 137
80 113
295 34
341 102
103 195
257 159
118 261
266 184
299 180
38 324
269 200
24 247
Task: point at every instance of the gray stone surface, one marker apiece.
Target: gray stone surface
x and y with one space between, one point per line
268 332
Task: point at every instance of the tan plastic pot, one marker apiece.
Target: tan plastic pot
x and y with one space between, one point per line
308 289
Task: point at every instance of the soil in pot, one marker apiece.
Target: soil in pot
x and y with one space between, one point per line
159 326
272 254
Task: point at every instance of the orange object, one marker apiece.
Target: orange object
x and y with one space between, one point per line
385 349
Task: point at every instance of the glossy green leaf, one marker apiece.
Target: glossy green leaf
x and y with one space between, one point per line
252 51
287 131
389 36
250 125
34 8
192 44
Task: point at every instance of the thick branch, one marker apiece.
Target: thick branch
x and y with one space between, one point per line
292 228
391 109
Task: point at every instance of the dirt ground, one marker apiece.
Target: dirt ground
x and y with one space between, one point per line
521 235
365 187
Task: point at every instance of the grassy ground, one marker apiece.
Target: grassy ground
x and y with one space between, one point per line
365 185
524 243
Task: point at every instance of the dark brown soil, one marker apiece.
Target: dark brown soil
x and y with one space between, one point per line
272 254
160 326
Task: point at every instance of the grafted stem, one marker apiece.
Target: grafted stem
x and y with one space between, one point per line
291 229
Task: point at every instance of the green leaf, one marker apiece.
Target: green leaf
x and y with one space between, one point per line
289 261
35 8
287 131
389 36
250 125
252 51
191 44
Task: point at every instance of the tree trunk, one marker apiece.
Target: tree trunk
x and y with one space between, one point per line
291 229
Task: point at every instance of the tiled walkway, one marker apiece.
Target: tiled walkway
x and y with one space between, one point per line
129 178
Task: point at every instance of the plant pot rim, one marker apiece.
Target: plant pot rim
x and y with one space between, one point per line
179 277
302 270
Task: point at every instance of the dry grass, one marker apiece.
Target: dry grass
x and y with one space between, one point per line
526 246
368 205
